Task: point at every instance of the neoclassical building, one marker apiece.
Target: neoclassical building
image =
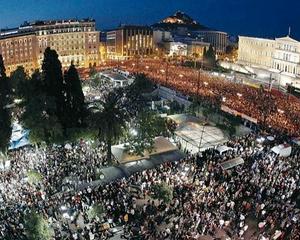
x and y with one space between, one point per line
75 41
280 56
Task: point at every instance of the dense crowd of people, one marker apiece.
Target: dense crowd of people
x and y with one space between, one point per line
270 108
206 198
259 199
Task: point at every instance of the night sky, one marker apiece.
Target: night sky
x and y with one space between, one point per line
264 18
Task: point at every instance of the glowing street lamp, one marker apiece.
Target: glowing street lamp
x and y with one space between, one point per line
180 75
162 70
147 67
206 83
239 94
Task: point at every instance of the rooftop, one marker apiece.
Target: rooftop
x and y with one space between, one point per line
56 22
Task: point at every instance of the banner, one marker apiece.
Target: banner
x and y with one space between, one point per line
236 113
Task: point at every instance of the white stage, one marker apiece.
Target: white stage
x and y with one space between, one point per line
194 136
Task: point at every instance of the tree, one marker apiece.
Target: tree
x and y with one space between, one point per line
43 126
19 82
95 211
74 98
162 192
142 84
39 113
144 129
110 119
5 113
36 227
210 56
53 81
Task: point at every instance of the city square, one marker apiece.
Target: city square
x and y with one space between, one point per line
160 127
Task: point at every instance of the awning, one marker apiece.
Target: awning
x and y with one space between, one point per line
232 163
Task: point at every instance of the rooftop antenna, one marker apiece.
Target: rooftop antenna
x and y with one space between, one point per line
289 31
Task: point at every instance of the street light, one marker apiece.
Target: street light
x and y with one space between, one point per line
239 94
180 75
147 67
205 83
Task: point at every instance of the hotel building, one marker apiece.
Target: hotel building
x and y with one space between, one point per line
75 41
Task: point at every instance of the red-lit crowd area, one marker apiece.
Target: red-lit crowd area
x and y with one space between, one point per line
275 109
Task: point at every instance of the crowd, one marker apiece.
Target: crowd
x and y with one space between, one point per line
206 198
275 109
259 199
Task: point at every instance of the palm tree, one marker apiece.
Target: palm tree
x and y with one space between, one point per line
110 119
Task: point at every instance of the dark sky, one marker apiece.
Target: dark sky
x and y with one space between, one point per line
265 18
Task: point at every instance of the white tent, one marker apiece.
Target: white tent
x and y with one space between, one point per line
283 150
232 163
222 149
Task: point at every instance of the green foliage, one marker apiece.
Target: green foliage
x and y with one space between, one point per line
142 84
37 228
147 126
96 211
74 112
210 57
53 83
19 82
110 119
5 129
75 134
5 113
175 107
40 118
34 177
171 126
162 192
53 109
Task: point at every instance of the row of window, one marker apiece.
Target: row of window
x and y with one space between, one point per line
285 68
258 43
287 47
66 30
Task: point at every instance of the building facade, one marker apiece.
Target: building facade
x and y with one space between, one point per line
196 48
129 41
256 51
18 50
75 41
218 39
280 56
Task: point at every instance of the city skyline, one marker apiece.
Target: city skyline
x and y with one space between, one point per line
267 19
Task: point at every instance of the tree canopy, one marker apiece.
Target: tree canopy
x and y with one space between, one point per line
5 112
110 119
